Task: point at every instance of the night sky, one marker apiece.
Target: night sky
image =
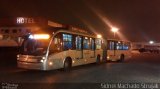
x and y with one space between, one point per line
138 20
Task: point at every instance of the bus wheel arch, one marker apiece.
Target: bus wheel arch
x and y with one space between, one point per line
67 63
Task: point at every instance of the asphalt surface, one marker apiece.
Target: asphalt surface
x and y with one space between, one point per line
141 68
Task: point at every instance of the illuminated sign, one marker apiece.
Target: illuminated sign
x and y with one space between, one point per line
39 36
78 29
53 24
22 20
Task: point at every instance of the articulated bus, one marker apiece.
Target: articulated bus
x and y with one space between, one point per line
65 49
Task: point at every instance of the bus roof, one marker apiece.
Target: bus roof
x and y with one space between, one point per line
74 32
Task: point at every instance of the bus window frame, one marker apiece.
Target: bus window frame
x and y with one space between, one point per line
122 43
72 42
98 44
61 45
89 47
94 44
75 40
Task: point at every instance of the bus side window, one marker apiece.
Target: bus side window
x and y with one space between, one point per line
56 44
92 44
98 43
86 43
119 45
67 41
129 45
78 43
125 46
110 45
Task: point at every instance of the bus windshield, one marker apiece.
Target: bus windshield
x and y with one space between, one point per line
34 47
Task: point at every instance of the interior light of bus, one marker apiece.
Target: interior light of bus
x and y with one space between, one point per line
86 38
99 36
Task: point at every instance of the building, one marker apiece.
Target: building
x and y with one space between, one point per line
146 46
13 29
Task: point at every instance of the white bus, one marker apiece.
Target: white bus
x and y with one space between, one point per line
62 49
118 50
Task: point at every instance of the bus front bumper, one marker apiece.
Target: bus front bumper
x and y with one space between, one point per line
28 65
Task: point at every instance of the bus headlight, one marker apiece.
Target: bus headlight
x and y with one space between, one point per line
42 61
43 58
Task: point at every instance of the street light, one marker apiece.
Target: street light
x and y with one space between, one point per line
114 30
151 42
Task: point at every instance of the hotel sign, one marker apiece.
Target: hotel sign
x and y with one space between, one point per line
24 20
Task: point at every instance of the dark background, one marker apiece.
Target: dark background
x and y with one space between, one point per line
138 20
8 56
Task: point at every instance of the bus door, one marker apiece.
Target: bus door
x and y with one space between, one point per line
79 51
104 47
111 49
87 53
92 51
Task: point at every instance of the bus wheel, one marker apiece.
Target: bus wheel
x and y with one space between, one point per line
98 59
67 64
122 58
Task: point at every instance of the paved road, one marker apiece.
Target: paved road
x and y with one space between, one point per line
141 68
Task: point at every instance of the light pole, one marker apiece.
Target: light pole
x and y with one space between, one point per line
114 30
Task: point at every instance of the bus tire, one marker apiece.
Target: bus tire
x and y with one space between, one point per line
67 64
122 58
98 59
